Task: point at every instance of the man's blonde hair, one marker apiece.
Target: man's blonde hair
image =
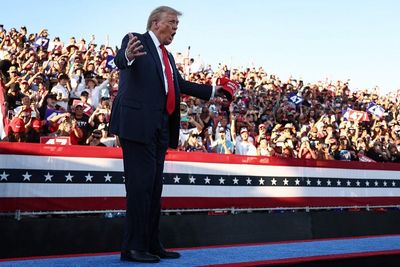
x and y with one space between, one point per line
156 13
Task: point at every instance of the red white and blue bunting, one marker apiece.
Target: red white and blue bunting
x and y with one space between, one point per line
46 178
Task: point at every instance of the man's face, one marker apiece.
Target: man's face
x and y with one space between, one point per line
183 108
102 117
25 116
79 110
25 101
165 28
105 103
42 56
63 82
13 74
377 147
24 86
51 102
91 84
245 136
84 98
286 153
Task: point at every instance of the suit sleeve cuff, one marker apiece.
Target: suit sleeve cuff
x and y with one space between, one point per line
212 93
127 60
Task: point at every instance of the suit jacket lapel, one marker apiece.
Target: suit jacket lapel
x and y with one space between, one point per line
154 54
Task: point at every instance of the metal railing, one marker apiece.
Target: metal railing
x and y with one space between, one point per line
121 213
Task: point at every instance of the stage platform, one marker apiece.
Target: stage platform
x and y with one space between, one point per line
49 236
319 252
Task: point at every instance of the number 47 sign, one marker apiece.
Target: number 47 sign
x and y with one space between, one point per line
356 115
295 99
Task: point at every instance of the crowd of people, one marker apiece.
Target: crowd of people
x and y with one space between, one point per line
54 89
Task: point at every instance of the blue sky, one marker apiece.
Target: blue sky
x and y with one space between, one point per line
313 39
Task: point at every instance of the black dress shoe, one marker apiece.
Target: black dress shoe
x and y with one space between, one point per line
164 254
139 256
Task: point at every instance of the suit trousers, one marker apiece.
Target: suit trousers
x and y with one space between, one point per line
143 170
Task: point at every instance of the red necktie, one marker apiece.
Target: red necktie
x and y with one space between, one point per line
170 82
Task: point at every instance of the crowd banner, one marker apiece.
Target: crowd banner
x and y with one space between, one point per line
40 177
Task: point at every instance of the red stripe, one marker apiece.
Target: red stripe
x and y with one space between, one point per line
59 151
309 259
105 152
269 202
61 203
111 203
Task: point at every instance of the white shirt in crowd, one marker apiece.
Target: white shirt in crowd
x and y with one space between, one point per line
62 91
94 94
77 89
245 148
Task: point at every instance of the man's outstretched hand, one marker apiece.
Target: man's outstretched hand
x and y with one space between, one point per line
134 48
226 87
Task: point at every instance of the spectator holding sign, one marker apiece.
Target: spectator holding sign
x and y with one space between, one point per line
41 40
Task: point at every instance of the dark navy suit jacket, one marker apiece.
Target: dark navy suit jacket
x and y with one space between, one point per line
139 107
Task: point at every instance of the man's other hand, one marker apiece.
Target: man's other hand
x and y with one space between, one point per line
134 48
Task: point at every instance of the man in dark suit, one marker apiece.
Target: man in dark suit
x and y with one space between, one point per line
145 116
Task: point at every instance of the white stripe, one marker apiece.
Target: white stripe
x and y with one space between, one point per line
112 164
278 171
62 190
278 191
60 163
118 190
2 131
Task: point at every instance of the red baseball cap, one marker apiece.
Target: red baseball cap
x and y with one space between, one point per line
17 125
243 129
36 124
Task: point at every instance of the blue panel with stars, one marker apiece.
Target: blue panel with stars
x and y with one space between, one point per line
101 177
